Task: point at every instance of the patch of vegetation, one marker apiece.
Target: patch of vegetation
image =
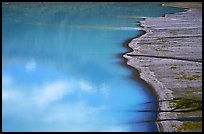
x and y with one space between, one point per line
160 40
164 50
189 87
189 125
140 58
184 76
190 90
198 72
173 67
163 45
173 32
187 4
174 126
175 42
187 104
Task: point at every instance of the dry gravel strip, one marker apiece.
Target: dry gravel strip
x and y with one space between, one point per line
169 58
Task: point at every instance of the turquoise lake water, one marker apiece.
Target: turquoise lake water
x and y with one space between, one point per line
61 72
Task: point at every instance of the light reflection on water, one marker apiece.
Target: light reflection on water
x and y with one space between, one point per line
60 71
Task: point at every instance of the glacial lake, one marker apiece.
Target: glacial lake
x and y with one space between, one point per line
61 70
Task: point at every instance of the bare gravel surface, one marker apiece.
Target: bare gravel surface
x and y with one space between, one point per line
169 58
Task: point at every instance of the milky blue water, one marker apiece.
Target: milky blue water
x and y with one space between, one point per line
60 70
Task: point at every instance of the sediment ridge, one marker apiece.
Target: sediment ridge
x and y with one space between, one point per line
169 58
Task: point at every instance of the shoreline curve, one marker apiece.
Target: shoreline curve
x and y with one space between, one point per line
145 73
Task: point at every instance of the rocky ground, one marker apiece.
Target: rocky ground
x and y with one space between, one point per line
169 58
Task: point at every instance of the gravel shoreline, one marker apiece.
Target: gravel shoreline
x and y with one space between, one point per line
169 58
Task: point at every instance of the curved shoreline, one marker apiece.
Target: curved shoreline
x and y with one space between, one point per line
145 73
157 89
